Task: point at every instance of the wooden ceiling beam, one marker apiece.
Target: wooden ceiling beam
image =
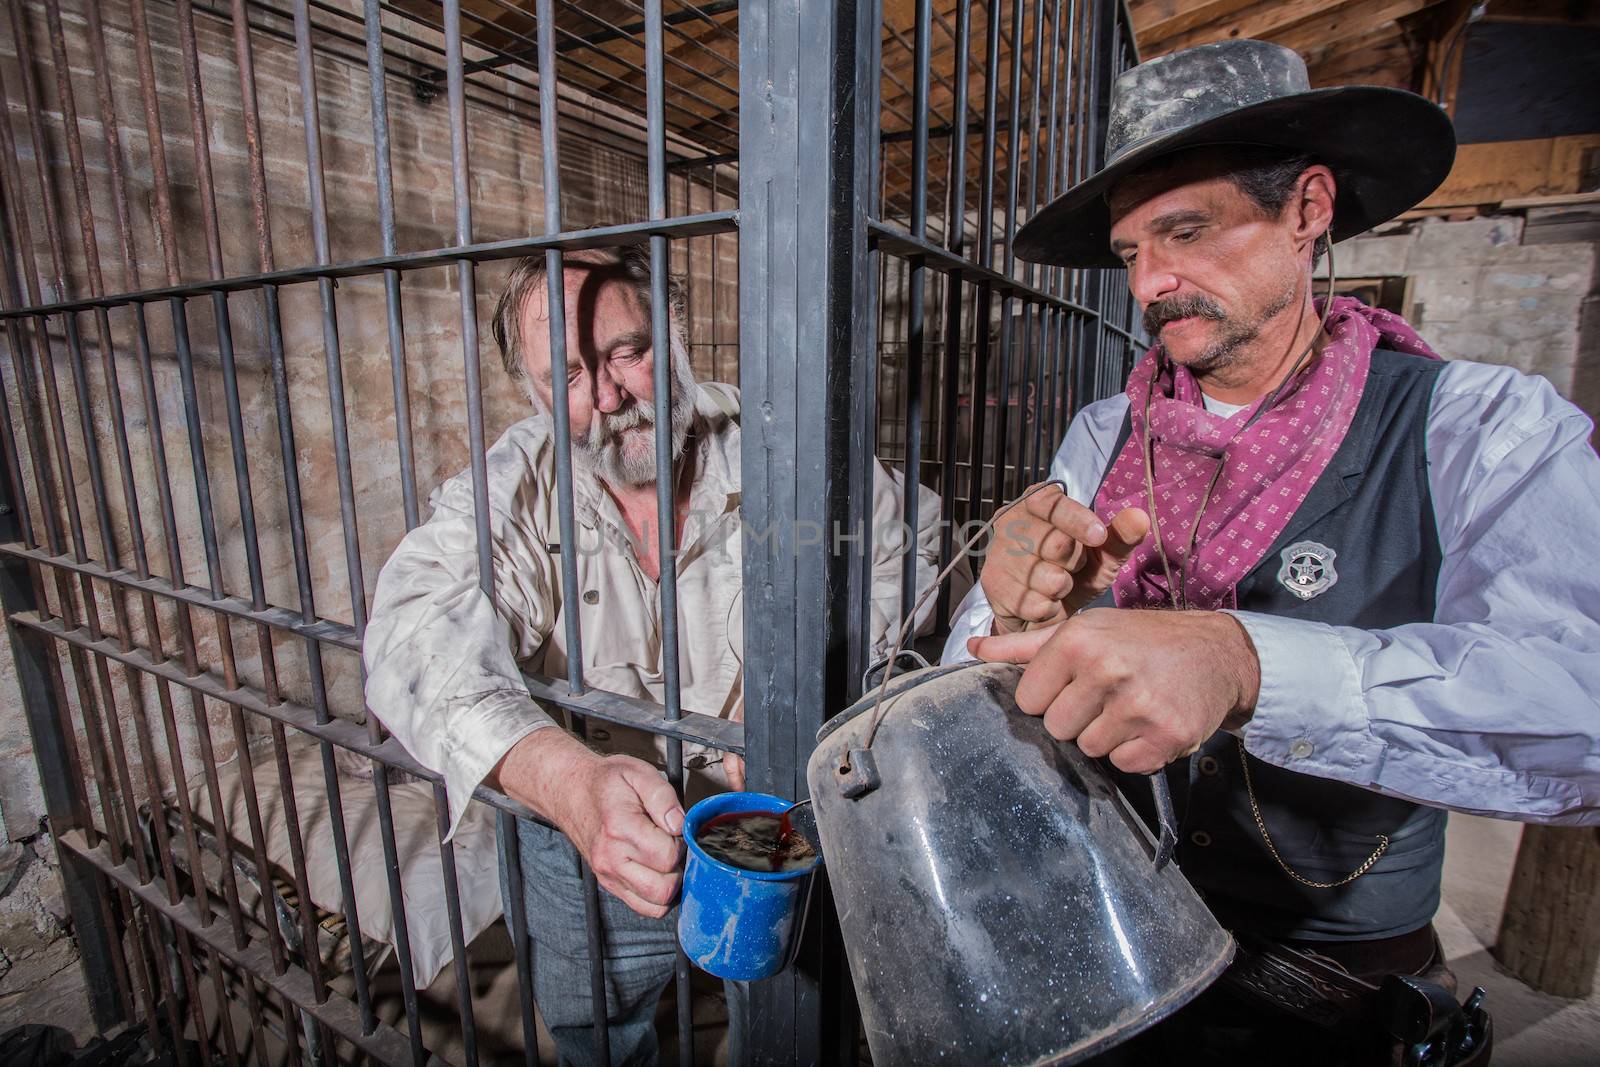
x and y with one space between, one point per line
1263 19
1347 20
1155 20
1381 56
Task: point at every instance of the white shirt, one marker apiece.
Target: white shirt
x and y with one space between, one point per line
1491 708
444 662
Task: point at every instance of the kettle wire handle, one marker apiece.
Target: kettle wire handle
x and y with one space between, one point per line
1166 820
878 665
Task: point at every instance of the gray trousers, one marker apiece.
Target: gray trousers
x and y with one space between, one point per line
639 956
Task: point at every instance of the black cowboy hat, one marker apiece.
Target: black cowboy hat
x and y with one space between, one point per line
1387 148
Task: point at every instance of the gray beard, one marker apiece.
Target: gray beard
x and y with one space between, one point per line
600 452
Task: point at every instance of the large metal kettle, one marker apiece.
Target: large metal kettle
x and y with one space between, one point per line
1000 901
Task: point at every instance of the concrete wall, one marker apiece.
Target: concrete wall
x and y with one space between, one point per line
1479 291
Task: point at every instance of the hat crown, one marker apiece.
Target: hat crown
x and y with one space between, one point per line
1174 92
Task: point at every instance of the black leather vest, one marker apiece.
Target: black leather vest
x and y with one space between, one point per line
1371 506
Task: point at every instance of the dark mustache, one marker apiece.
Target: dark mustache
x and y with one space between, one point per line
1162 312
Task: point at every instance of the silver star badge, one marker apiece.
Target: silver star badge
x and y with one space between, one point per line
1307 569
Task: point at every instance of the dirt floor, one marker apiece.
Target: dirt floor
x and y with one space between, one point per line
1531 1028
40 981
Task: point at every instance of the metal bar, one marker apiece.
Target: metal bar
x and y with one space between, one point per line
330 346
340 732
595 40
556 305
1060 89
465 284
700 122
983 307
1098 287
692 727
916 313
864 407
599 237
163 218
391 278
1002 434
408 489
383 1044
888 238
1028 457
108 968
109 126
207 196
92 260
941 131
672 22
326 631
955 241
86 894
521 943
458 941
605 89
663 354
576 42
403 59
807 137
380 779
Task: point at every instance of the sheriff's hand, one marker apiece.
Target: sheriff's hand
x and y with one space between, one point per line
1143 687
1051 556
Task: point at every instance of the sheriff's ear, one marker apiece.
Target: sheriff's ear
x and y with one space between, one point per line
1313 206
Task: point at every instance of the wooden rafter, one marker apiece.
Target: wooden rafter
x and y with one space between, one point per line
1294 23
1156 20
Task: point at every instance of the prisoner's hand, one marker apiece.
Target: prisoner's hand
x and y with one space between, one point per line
620 812
1142 687
1051 556
733 770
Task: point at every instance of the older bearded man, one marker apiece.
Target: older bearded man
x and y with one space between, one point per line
1352 620
445 662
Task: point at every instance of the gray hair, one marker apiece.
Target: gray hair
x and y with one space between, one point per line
629 263
1267 175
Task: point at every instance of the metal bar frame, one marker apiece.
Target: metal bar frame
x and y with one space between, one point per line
841 263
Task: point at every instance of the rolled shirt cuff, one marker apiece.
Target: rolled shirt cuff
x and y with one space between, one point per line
1311 715
481 737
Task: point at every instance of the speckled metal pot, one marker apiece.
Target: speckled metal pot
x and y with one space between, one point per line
1000 901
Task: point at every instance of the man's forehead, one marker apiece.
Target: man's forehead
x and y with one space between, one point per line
589 287
1193 181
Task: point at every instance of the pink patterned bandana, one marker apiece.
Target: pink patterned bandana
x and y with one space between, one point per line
1269 466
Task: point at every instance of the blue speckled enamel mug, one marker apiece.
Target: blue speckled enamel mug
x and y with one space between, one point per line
732 922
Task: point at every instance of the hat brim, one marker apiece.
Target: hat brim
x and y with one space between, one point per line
1388 150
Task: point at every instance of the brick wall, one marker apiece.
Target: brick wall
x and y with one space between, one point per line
603 182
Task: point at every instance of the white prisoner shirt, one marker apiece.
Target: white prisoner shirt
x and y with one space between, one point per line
444 663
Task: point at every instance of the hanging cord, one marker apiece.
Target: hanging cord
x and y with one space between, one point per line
1178 592
879 709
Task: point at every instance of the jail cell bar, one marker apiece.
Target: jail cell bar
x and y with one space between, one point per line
140 879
